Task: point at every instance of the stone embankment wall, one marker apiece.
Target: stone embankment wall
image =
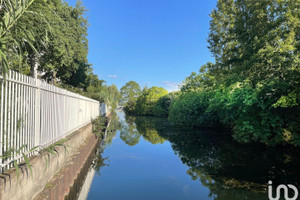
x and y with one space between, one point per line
56 176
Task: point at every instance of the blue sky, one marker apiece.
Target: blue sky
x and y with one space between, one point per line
153 42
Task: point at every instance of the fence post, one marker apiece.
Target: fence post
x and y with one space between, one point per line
37 112
1 119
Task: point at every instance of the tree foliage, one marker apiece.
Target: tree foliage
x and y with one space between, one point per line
253 87
45 35
147 101
24 30
154 101
50 36
130 91
190 109
66 56
161 107
129 95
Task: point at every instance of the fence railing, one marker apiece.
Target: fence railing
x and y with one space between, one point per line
34 113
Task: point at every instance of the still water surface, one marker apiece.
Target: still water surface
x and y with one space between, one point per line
146 158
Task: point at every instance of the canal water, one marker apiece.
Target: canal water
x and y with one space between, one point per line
145 158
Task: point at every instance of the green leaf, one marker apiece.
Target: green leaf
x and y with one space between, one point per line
28 164
17 170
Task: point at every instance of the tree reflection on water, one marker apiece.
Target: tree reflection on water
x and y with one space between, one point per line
229 169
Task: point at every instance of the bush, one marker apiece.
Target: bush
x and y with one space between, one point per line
161 108
250 113
130 107
190 109
99 125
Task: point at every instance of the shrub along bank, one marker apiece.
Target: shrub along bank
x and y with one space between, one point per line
253 87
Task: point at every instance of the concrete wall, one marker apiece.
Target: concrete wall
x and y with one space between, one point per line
27 187
66 184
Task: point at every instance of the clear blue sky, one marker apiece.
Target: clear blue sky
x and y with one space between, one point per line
153 42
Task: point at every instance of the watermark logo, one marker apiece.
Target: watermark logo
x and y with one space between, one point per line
285 191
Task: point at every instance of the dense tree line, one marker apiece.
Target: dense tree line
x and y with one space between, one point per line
254 85
48 39
154 101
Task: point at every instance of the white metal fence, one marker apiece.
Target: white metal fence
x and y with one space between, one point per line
34 113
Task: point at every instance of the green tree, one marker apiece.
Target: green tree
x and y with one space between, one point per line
23 32
256 45
113 96
66 55
148 99
48 36
130 93
109 95
259 41
161 107
253 87
206 79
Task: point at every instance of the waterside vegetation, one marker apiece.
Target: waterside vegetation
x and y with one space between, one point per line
47 39
252 88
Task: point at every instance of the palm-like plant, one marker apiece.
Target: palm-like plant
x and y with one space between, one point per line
21 31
